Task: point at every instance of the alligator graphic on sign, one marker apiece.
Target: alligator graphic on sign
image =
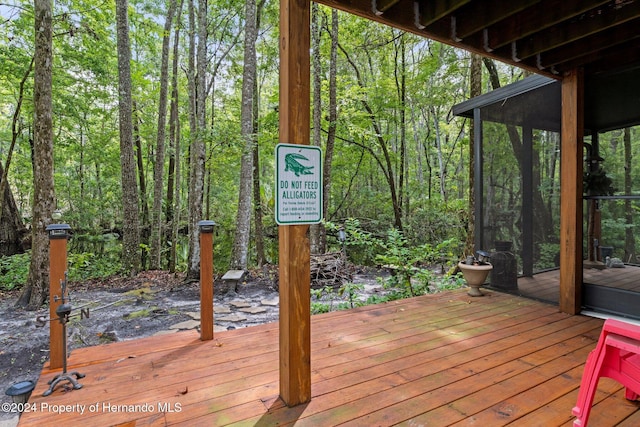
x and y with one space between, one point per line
292 164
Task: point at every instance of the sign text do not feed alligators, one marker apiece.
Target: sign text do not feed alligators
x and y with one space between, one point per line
298 184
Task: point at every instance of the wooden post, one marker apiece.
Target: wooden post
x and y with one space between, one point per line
58 236
294 251
571 169
206 279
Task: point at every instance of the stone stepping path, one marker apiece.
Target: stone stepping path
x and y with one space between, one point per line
240 303
253 310
187 324
235 317
229 315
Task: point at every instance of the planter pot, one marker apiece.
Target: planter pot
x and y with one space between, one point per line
475 276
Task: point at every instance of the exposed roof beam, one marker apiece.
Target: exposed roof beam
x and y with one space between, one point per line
478 15
430 11
577 29
622 56
534 19
381 6
530 37
593 45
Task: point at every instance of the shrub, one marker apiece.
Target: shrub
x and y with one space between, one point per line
14 271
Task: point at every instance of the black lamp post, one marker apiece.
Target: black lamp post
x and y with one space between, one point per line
342 236
20 393
56 215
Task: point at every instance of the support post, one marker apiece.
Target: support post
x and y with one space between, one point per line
58 237
294 251
206 279
571 168
478 183
527 201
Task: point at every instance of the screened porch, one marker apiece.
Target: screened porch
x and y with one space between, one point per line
517 187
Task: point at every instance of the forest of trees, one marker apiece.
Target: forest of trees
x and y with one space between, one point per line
136 119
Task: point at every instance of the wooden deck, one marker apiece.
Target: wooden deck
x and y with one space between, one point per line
446 359
546 286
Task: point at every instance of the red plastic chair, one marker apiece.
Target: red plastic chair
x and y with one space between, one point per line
616 356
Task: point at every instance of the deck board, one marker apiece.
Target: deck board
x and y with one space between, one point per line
545 286
444 359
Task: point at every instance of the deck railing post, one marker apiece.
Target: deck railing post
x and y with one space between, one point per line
58 236
206 279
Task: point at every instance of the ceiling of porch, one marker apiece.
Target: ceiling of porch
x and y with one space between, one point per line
548 37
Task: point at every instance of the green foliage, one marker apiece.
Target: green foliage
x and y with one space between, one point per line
182 254
376 299
14 271
451 282
319 293
350 290
318 308
436 222
400 259
548 257
87 265
406 262
87 152
325 294
409 265
361 246
335 300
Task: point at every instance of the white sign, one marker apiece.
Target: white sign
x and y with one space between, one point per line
298 184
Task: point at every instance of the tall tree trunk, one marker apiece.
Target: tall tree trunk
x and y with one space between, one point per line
257 202
333 123
553 163
158 170
81 165
315 230
401 87
173 187
629 238
13 234
257 209
142 182
12 229
176 179
193 270
15 131
130 213
475 89
36 291
239 256
441 163
197 94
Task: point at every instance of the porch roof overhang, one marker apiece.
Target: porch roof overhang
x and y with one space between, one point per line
612 101
549 37
534 102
